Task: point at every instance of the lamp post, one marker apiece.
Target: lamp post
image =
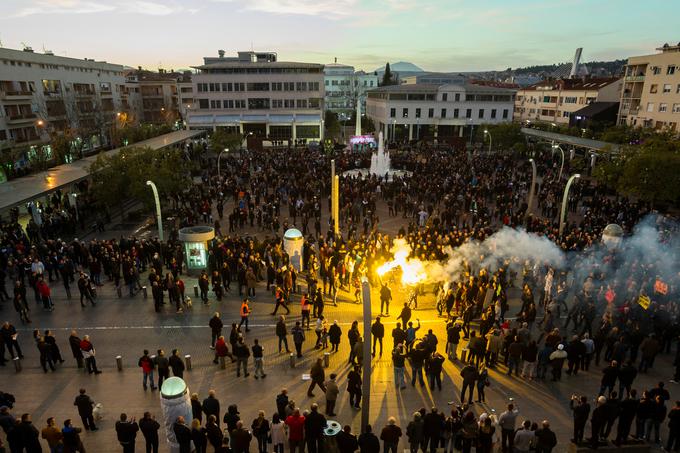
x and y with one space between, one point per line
532 188
564 201
219 157
559 178
486 132
394 130
159 219
366 384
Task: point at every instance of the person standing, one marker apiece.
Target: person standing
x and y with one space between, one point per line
211 406
347 442
88 351
415 431
126 430
385 299
242 353
673 442
260 427
399 362
71 438
368 442
390 436
199 436
378 332
298 338
469 375
598 421
85 406
245 313
282 333
433 422
147 366
334 336
296 427
507 422
354 387
317 376
176 363
545 438
182 435
163 366
523 438
215 325
28 434
149 428
434 365
9 335
332 392
314 426
53 436
258 359
74 343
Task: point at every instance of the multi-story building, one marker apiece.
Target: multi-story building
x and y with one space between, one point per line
437 78
157 94
555 101
344 86
417 111
651 90
44 94
256 94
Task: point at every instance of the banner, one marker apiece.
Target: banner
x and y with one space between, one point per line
644 301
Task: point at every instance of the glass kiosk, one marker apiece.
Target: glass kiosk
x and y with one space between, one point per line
195 241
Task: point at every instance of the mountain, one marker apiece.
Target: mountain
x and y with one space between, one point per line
403 68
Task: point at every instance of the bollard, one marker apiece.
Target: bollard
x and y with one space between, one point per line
119 290
119 362
292 360
326 359
195 291
187 361
144 291
223 363
17 364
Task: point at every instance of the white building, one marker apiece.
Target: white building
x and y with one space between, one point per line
256 94
43 93
418 111
344 86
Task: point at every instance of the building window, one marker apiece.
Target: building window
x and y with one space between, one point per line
653 88
239 86
505 114
258 103
289 103
481 113
565 114
277 86
203 104
468 113
404 113
215 104
393 113
667 88
301 86
455 113
656 70
226 87
302 103
570 100
443 113
326 82
650 106
456 97
228 104
676 108
493 114
445 97
240 104
663 107
214 87
417 113
430 113
670 70
288 86
203 87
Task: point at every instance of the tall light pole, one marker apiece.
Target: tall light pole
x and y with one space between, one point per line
556 146
564 201
219 157
394 130
486 132
366 384
532 189
159 219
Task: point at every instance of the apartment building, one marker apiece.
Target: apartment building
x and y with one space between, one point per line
651 90
42 93
417 111
256 94
157 95
555 101
344 86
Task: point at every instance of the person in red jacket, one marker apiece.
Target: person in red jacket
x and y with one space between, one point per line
296 428
222 350
146 363
45 294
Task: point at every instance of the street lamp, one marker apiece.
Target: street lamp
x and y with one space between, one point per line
556 146
394 130
486 132
219 157
564 201
532 188
159 219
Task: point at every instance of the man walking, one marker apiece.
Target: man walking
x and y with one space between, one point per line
216 325
85 405
245 313
298 338
258 359
282 333
318 376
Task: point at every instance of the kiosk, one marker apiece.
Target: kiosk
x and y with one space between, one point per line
292 244
195 241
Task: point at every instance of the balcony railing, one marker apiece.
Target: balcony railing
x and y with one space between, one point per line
637 78
15 94
21 117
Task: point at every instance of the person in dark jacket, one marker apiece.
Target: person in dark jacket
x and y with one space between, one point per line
609 376
433 366
231 417
613 409
628 408
163 367
74 343
378 332
126 430
576 350
27 435
240 439
673 442
627 375
176 363
346 441
215 325
581 411
199 436
390 436
71 438
598 421
182 435
432 430
211 406
545 438
214 432
314 426
368 442
469 374
149 428
85 406
196 408
334 336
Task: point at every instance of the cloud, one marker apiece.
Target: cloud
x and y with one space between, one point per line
152 8
329 8
62 7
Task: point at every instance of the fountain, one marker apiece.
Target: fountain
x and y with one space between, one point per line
380 164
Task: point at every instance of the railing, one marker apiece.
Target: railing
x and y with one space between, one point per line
637 78
21 116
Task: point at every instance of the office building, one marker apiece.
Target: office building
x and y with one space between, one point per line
255 93
555 101
418 111
651 90
344 86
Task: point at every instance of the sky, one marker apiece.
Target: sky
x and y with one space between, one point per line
437 35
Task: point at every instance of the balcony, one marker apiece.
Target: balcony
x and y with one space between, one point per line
637 78
27 139
20 118
16 95
84 94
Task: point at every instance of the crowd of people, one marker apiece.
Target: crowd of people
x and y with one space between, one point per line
445 200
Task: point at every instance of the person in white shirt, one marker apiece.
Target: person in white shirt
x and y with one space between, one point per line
524 438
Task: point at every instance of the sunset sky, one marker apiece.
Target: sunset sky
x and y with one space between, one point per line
436 35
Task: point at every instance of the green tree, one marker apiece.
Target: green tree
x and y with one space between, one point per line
331 124
388 77
221 139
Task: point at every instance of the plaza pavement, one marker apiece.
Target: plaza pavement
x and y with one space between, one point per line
126 326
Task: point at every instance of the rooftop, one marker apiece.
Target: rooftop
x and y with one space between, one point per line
258 64
28 55
593 83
